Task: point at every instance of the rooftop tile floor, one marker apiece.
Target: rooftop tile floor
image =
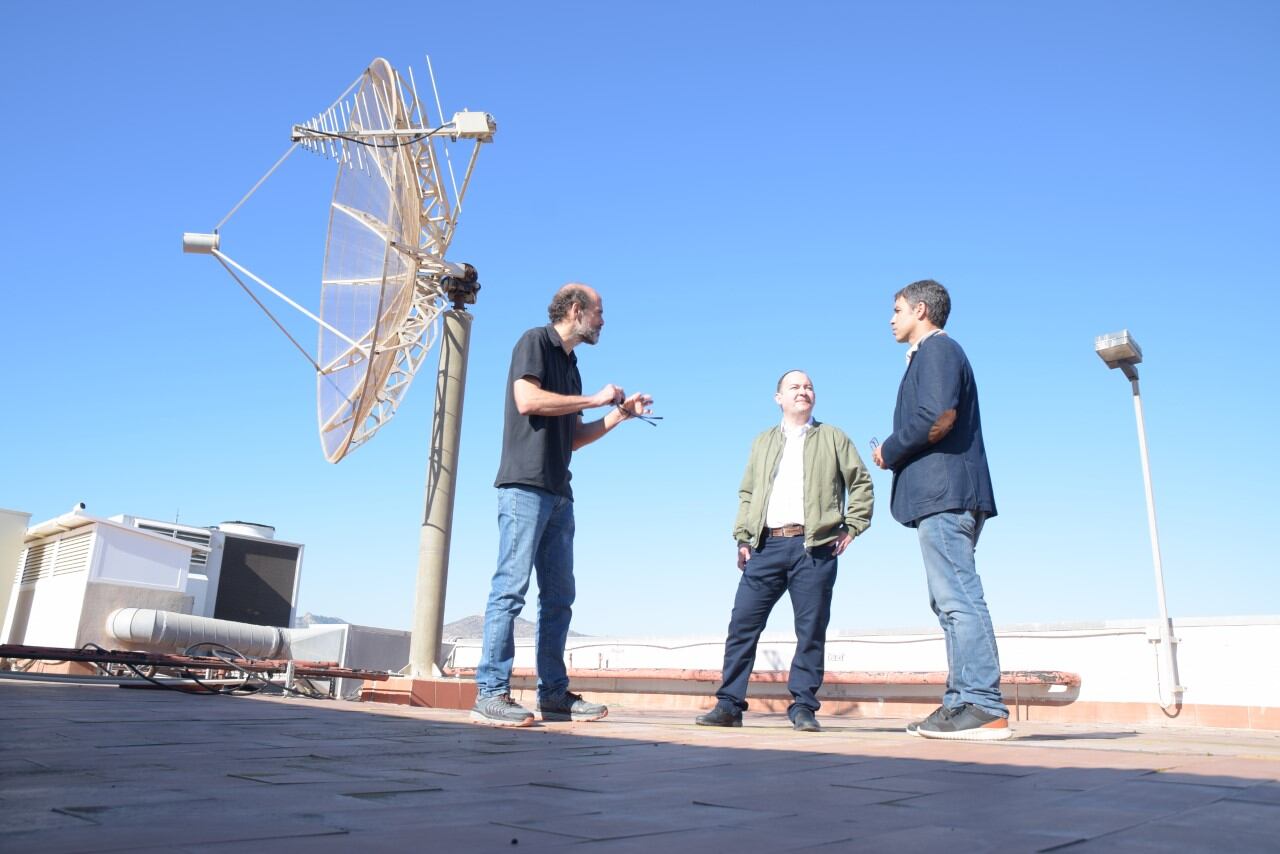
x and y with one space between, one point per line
88 768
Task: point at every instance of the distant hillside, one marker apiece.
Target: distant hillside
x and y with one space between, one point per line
467 627
473 627
310 619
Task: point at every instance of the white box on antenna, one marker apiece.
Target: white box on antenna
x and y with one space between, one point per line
472 125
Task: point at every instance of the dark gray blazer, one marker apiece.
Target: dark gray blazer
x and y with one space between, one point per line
936 451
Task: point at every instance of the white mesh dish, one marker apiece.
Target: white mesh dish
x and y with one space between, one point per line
368 283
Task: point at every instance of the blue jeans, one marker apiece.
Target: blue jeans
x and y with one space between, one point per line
781 565
947 541
535 530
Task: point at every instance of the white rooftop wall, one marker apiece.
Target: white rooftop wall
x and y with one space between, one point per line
13 524
1221 661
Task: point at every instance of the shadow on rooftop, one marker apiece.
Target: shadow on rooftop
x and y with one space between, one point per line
100 769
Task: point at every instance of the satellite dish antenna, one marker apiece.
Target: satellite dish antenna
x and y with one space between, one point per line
386 290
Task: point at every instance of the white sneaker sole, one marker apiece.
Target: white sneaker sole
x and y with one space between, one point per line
980 734
478 718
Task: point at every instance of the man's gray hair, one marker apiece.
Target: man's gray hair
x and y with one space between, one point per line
570 294
937 302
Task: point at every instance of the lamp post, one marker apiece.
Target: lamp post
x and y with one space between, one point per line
1119 350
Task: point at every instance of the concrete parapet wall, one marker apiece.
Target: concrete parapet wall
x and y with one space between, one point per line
1218 660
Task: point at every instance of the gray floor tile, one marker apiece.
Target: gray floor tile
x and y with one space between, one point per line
123 769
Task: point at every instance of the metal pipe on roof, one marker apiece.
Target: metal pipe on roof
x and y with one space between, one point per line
166 630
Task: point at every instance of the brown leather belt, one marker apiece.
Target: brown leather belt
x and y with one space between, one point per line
787 531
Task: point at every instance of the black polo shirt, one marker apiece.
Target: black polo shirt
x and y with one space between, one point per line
536 448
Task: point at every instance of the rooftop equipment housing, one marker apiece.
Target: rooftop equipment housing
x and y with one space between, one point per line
242 573
76 569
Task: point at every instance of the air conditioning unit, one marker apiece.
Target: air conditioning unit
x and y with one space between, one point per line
240 572
76 569
356 647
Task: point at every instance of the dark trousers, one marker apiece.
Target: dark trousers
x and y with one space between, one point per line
782 564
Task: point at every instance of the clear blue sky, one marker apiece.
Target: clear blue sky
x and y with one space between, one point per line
747 185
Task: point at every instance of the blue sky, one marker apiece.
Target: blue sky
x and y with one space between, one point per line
747 185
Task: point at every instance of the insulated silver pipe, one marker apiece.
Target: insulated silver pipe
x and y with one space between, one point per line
165 630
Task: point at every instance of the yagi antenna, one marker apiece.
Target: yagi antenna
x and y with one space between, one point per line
440 112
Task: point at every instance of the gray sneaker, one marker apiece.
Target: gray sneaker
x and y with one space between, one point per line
570 707
967 723
933 717
500 710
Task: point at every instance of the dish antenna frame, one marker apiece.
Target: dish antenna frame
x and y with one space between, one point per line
391 223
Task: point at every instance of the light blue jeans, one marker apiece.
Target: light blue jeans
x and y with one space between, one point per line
947 541
535 530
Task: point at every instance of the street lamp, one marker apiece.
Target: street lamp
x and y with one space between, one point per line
1119 350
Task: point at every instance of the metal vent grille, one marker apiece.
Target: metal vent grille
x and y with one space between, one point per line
73 553
199 559
64 556
39 562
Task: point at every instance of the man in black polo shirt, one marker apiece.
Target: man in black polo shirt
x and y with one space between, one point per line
542 427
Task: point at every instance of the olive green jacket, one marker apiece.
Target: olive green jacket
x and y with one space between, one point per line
832 471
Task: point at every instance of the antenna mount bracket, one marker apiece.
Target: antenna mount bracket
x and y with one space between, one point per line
461 289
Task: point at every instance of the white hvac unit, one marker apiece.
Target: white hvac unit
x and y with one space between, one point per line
238 571
356 647
76 569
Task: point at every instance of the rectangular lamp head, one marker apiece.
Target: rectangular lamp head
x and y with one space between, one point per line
1117 349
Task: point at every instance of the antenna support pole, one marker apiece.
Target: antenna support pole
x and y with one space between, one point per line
442 470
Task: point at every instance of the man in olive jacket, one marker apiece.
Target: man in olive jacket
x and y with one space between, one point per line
804 497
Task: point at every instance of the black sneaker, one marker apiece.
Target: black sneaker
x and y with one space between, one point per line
500 710
570 707
936 715
721 715
967 723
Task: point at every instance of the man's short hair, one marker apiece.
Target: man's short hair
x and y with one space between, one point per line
792 371
571 294
937 302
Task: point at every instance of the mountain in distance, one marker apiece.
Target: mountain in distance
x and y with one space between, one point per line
473 627
309 619
467 627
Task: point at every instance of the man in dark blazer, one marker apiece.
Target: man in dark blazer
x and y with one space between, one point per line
942 488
